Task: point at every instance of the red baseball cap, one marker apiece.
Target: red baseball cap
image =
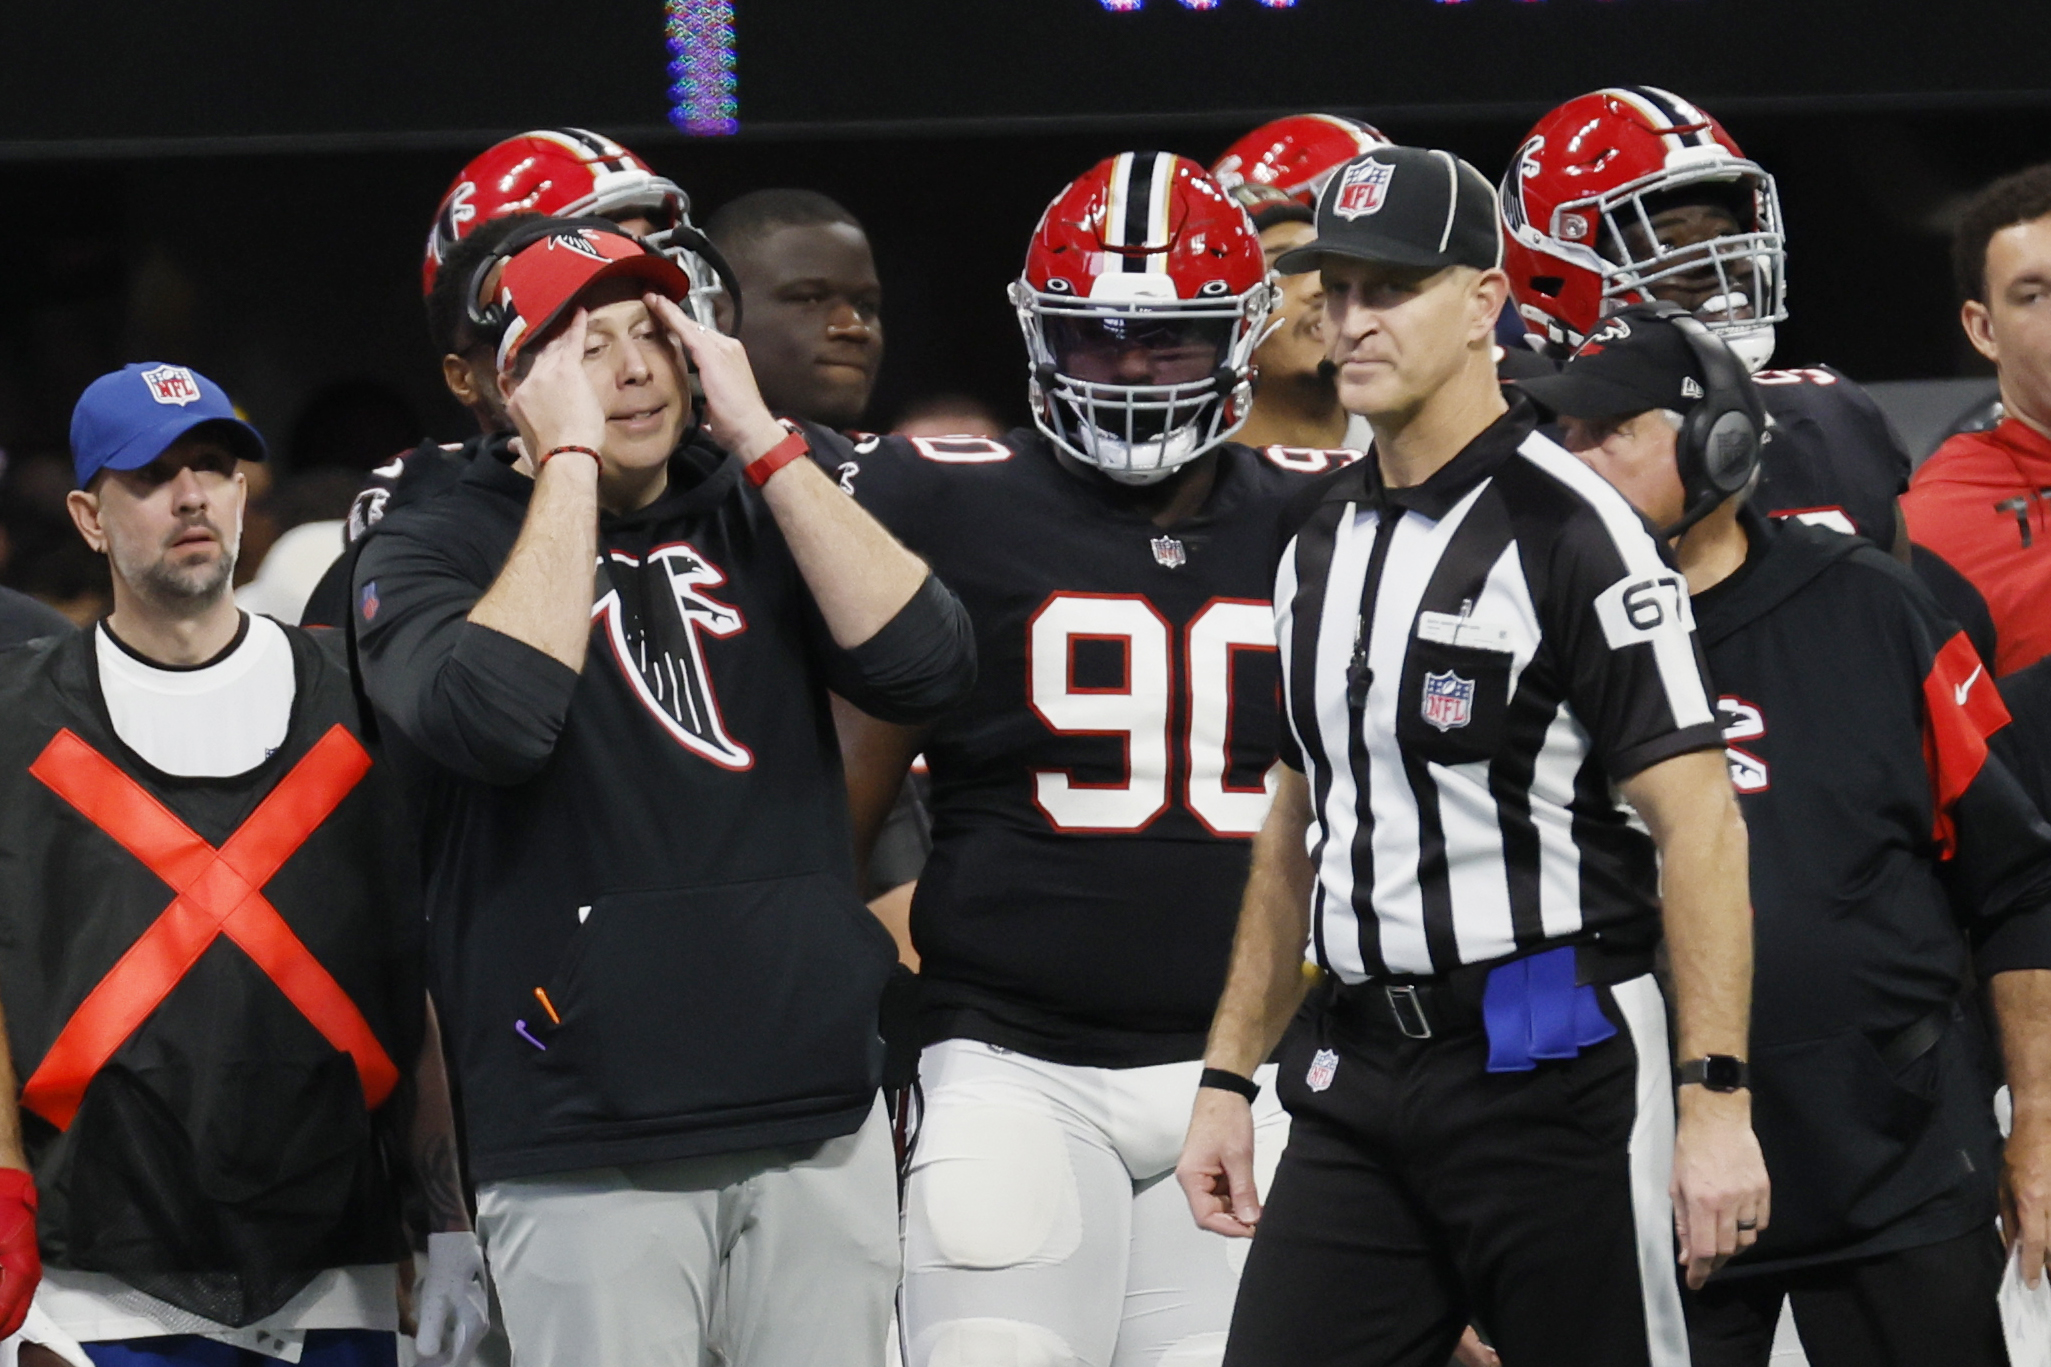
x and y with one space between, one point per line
542 281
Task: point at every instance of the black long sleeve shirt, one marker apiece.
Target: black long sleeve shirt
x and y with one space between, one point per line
645 933
1893 859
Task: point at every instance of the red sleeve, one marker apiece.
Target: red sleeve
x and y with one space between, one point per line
1961 708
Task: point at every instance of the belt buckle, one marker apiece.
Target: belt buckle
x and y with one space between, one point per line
1408 1010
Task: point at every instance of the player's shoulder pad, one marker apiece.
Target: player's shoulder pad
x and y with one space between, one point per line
1814 376
1307 460
909 459
1817 390
1838 411
1305 495
408 477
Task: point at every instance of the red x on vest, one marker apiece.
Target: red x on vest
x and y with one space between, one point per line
218 892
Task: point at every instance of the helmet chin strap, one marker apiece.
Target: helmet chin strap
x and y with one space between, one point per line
1140 479
1753 347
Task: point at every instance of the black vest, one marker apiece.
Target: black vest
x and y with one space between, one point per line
211 985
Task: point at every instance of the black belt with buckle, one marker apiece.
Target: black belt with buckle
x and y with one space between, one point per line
1406 1006
1450 1003
1423 1008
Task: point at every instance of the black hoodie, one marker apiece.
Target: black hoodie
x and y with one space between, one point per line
644 929
1892 859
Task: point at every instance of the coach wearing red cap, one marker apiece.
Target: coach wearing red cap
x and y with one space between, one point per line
659 982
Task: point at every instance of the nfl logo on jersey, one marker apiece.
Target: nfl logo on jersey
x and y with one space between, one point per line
1323 1064
172 384
1362 189
1448 700
1168 552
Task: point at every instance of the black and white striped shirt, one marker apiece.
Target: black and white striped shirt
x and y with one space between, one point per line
1468 667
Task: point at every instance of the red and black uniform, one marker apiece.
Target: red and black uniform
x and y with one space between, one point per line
1830 457
1893 861
1094 798
409 477
1983 504
211 988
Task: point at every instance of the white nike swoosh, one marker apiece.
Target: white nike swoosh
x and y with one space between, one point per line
1967 687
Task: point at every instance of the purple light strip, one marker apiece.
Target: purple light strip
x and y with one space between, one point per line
701 67
1132 6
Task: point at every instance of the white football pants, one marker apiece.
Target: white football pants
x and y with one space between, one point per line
1044 1226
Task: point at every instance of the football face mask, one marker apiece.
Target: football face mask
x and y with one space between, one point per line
1143 297
1631 194
1139 391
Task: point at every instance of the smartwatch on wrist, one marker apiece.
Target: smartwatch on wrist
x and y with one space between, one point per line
1717 1073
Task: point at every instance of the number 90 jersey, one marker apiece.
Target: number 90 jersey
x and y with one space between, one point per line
1094 799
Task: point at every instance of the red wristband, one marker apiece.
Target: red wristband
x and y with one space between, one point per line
776 457
555 451
17 1185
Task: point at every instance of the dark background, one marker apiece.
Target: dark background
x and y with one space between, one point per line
246 186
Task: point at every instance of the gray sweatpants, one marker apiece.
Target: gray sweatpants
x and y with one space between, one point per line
768 1258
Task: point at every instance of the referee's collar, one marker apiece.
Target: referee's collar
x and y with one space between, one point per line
1480 458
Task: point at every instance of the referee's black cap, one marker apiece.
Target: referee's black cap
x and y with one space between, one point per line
1404 206
1636 361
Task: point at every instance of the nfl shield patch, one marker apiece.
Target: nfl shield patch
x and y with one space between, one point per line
1324 1064
368 602
1448 700
1169 553
1362 189
172 384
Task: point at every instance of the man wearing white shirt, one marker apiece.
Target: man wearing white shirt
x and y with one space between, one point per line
209 951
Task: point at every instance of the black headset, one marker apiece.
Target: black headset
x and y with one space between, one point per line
1723 435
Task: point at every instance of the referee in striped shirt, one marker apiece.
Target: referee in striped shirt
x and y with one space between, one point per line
1498 753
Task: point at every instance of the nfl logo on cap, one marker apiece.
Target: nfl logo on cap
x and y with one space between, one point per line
172 384
1362 188
1324 1064
1448 700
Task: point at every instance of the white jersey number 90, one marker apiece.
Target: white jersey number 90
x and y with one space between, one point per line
1140 713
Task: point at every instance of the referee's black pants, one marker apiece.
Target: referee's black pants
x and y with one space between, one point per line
1919 1307
1419 1192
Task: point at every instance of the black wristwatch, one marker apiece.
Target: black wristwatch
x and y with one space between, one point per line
1717 1073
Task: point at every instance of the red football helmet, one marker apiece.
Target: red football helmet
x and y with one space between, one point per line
571 173
1578 202
1143 296
1296 155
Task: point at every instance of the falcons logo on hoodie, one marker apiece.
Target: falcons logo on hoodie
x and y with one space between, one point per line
656 617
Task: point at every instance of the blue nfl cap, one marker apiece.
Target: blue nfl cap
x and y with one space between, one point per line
127 419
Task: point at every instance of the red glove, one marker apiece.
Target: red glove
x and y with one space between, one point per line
21 1263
